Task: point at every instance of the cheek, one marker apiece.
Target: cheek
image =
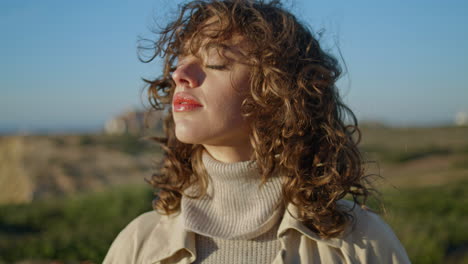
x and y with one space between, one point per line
226 107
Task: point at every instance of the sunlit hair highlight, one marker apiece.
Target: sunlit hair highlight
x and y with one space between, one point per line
294 110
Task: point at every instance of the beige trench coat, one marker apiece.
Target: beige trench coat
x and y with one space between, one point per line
153 238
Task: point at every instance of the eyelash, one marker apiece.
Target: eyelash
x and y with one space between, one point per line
216 67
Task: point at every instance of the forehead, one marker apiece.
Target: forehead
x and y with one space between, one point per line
201 46
211 34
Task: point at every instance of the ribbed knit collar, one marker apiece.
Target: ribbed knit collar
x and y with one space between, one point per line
236 206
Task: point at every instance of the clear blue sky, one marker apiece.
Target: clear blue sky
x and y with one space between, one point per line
68 65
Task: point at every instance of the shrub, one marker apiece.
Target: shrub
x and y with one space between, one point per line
80 228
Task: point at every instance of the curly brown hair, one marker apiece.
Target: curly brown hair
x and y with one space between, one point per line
296 116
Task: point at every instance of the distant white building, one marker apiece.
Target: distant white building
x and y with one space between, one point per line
134 122
461 118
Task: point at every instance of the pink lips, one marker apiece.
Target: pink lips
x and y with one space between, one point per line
184 102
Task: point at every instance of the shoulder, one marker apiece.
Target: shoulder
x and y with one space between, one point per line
126 246
370 239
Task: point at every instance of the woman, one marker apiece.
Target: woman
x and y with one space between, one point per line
258 158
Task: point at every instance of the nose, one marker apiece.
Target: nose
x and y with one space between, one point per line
187 75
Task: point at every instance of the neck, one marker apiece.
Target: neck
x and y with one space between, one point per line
230 154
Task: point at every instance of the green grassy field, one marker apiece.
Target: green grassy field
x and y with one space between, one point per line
69 230
431 222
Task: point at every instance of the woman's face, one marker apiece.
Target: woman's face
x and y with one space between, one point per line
209 92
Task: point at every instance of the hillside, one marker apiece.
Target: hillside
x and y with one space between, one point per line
39 167
416 157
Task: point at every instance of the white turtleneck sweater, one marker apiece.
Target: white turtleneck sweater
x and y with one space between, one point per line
236 222
230 226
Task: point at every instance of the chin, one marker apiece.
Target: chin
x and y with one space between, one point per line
187 138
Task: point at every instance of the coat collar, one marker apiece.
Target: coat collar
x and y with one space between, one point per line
169 237
291 222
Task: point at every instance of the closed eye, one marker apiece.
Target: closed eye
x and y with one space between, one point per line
216 67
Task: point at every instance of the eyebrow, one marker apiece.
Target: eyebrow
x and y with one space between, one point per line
238 54
215 45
